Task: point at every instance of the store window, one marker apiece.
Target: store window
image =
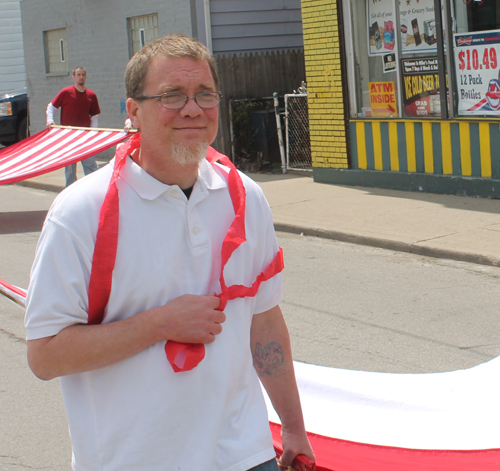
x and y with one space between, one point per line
399 65
55 51
142 31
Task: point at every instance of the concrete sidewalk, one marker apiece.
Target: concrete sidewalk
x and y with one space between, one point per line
453 227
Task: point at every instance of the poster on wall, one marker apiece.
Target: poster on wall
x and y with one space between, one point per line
383 99
421 96
477 58
418 26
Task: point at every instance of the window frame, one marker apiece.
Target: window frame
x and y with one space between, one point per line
55 47
142 31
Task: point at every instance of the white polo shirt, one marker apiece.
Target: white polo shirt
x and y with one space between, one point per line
138 415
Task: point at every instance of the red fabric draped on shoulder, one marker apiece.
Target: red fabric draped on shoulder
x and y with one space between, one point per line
182 357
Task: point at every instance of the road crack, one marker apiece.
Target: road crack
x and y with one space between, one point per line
13 336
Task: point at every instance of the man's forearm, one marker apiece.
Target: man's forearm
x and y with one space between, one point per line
79 348
50 113
272 357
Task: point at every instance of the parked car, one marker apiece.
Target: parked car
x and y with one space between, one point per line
13 117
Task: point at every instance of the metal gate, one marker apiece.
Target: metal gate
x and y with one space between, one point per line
298 143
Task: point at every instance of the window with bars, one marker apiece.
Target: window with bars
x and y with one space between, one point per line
56 53
142 31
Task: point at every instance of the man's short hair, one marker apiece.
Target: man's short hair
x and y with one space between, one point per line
78 68
171 45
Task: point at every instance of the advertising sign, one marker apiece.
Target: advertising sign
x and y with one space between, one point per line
389 62
421 87
418 26
383 99
477 57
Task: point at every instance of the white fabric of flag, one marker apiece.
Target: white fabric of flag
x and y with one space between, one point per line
360 420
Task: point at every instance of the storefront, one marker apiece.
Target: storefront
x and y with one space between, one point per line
420 93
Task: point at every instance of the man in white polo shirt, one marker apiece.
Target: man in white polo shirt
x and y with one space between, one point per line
155 289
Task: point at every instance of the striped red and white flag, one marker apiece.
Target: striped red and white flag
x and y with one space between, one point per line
52 149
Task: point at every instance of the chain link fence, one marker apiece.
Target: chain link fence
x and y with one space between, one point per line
254 133
298 143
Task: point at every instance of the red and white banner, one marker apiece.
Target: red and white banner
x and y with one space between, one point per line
52 149
365 421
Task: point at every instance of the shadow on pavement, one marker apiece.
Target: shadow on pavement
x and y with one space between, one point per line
21 221
271 177
468 203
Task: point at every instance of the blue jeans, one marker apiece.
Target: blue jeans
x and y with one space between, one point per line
267 466
88 165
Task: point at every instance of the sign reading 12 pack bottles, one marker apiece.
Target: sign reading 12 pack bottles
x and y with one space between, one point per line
477 61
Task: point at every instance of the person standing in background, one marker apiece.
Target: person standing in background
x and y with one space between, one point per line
79 107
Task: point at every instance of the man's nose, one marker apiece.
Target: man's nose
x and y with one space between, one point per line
191 108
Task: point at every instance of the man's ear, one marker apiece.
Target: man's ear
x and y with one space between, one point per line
133 112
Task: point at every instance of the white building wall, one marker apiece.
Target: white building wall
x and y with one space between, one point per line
12 70
244 26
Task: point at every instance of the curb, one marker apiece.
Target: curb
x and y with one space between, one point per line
435 252
40 186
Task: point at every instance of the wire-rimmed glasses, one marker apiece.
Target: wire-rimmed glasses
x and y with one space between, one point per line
176 101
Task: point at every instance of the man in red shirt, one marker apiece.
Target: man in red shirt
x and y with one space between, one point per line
79 107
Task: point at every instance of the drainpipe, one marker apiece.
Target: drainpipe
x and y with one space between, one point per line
208 25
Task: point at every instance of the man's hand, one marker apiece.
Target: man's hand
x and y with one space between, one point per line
128 125
50 124
294 443
191 319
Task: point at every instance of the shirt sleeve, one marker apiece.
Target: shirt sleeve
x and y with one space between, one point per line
57 295
50 112
270 292
57 101
94 107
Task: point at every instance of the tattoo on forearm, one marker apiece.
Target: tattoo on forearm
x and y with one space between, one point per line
270 360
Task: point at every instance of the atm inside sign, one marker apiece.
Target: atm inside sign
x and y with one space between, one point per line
383 99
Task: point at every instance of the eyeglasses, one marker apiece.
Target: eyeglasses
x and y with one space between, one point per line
176 101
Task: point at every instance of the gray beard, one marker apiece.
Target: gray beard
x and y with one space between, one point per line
189 154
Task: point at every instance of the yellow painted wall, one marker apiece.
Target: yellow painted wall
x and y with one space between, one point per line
320 24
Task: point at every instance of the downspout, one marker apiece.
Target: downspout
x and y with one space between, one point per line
208 25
